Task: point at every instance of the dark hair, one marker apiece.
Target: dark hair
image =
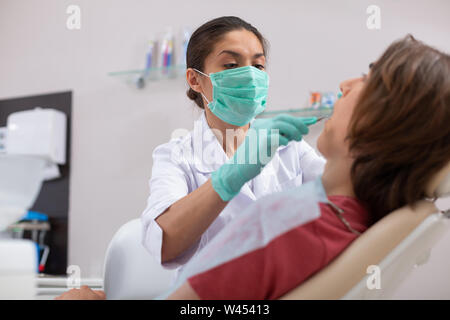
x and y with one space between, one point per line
205 37
400 128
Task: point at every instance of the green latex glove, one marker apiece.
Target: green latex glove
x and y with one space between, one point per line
257 149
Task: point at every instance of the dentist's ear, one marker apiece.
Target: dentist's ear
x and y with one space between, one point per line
193 80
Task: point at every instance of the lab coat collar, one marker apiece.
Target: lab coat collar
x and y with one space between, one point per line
208 153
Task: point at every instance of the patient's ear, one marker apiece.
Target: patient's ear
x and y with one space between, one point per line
185 292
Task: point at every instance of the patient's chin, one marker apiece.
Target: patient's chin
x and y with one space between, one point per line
321 144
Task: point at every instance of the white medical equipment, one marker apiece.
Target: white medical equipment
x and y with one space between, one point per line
397 243
35 143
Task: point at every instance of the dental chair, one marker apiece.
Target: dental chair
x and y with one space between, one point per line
130 272
395 244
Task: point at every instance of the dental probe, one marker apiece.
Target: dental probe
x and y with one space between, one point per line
322 118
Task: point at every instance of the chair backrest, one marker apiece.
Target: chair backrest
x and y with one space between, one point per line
413 251
395 244
130 272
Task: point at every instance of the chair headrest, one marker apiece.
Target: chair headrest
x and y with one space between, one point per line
439 186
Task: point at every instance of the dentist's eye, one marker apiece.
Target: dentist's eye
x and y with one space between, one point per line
259 66
230 65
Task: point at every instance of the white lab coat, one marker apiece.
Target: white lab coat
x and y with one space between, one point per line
184 164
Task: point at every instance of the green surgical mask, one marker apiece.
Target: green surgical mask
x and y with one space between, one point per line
239 94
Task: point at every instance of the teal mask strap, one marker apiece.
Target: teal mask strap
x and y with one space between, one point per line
205 97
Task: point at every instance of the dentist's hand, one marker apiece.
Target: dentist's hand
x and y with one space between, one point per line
259 146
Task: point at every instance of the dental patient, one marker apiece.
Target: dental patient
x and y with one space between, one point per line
388 136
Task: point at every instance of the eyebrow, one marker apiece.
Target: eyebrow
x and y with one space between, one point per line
238 55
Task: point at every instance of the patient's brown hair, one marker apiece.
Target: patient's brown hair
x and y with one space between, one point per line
400 129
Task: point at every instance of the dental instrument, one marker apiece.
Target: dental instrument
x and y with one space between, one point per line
323 118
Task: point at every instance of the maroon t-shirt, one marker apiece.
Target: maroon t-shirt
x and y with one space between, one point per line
286 261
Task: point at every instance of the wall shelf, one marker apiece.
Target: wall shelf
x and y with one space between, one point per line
139 77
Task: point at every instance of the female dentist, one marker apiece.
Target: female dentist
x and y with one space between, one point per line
199 182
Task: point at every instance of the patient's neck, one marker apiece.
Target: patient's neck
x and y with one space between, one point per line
336 177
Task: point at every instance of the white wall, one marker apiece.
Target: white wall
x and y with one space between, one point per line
314 45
